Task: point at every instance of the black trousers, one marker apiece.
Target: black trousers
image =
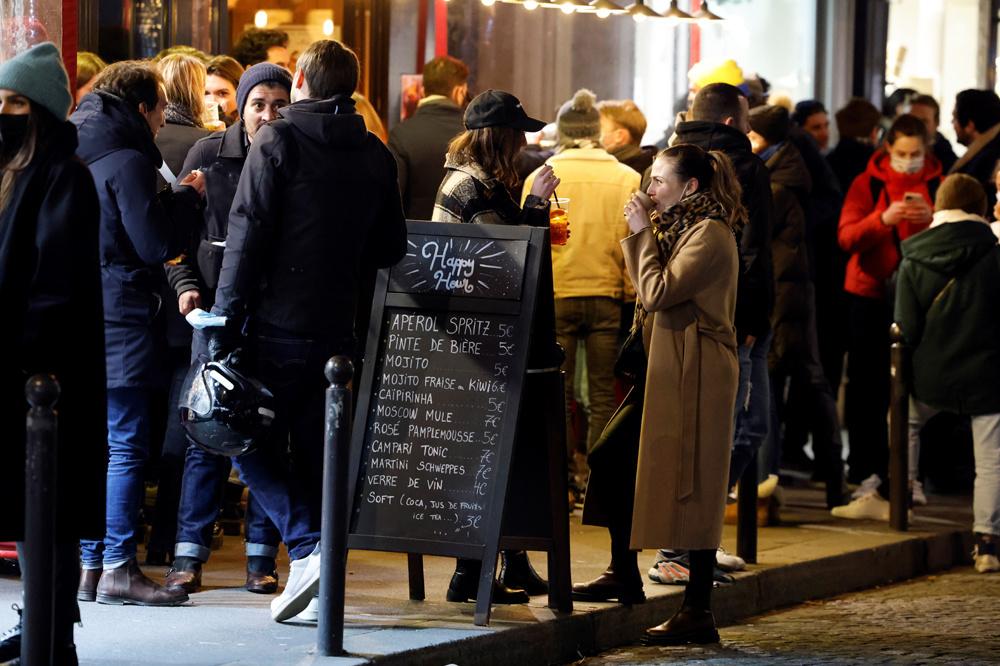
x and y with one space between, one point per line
815 400
67 579
867 391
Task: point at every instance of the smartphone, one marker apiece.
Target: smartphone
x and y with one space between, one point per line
913 198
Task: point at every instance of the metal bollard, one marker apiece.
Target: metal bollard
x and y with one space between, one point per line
333 540
899 409
746 514
42 392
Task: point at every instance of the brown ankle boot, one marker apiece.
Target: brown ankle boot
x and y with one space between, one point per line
87 591
126 584
687 626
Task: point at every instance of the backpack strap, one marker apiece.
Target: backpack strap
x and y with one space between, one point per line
932 187
877 187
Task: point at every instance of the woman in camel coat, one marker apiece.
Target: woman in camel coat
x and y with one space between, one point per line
683 261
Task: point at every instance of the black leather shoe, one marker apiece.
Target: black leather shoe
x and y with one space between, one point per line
517 573
465 587
609 585
262 583
88 584
687 626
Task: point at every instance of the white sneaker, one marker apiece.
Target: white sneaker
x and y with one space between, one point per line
303 582
917 493
311 613
728 562
985 556
866 507
867 487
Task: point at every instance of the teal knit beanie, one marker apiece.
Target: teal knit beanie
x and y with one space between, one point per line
39 75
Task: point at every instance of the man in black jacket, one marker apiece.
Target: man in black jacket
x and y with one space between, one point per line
263 89
718 120
976 119
420 143
317 205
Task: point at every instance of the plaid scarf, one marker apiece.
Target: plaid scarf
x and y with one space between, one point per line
669 226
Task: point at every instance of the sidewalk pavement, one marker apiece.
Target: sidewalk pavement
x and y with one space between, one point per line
810 555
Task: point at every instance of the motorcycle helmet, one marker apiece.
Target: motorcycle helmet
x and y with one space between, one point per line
222 410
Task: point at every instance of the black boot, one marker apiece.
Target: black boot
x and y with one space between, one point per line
517 573
10 640
465 586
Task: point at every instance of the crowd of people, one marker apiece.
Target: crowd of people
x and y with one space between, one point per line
727 281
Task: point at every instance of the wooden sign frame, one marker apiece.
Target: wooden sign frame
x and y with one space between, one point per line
537 259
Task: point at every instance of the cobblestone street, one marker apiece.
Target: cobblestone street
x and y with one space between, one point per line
949 618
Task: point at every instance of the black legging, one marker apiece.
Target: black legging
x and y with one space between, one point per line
698 594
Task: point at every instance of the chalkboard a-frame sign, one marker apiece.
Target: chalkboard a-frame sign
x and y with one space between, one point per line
440 393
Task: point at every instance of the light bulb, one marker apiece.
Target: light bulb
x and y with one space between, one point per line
603 13
530 4
567 7
328 27
260 19
488 3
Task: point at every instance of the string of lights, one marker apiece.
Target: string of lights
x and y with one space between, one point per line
603 9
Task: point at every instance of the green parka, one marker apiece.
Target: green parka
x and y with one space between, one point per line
948 305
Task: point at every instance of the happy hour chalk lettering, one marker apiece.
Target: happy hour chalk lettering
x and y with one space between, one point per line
450 272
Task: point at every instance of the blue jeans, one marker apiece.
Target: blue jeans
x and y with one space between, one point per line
205 477
292 368
128 449
753 406
203 484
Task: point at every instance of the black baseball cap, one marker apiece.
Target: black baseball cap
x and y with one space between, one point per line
496 108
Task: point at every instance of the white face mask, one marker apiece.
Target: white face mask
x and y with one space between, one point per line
903 165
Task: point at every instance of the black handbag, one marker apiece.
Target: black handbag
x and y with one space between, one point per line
631 362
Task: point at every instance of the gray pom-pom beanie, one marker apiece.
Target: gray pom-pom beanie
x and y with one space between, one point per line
579 118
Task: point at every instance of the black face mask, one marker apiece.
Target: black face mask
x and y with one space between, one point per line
13 131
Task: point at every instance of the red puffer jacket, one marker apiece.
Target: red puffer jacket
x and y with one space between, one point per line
874 247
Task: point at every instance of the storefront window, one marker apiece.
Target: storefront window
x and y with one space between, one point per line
24 23
542 55
775 39
934 48
305 21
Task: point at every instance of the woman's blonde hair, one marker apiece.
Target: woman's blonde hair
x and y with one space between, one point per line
492 149
715 173
184 82
372 121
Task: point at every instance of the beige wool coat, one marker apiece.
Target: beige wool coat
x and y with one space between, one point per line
691 382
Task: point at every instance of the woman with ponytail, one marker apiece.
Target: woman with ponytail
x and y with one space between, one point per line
683 261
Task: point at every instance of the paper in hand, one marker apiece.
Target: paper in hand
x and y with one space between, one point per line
200 319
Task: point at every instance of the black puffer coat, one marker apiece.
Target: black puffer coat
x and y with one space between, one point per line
755 292
50 296
790 187
316 209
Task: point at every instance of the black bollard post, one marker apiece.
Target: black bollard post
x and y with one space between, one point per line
333 539
746 514
899 410
42 392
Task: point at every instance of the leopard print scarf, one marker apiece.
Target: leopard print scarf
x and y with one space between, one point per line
669 226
